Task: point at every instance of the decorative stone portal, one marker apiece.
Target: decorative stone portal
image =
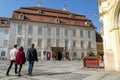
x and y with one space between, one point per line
110 18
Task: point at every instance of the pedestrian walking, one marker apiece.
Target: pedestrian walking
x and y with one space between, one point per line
12 59
20 59
31 57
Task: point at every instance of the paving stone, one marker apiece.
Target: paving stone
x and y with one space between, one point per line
58 70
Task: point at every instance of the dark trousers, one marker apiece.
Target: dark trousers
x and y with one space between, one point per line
20 67
30 68
11 63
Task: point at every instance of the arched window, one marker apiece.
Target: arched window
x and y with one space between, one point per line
119 18
39 11
57 20
21 16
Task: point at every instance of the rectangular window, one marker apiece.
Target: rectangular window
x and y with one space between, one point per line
82 44
5 42
66 43
58 32
74 44
19 41
39 43
81 33
57 42
49 32
2 53
74 54
19 29
48 42
29 41
89 34
66 32
89 44
74 33
40 31
39 54
6 31
82 55
30 30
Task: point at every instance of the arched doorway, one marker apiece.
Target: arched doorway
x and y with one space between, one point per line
57 53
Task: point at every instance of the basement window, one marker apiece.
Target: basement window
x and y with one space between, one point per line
21 16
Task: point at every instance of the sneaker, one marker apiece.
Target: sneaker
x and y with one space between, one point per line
19 74
29 74
15 72
7 74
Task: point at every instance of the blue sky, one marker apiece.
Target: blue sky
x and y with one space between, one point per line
84 7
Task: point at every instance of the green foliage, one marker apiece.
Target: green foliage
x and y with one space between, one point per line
90 54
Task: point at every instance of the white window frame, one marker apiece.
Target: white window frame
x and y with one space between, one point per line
20 29
30 30
6 31
29 42
39 43
81 33
40 31
5 43
20 41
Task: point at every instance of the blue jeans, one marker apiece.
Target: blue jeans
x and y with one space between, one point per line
30 68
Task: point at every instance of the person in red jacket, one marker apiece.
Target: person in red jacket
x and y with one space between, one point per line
20 59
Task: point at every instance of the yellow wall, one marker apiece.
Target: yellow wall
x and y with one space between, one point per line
99 48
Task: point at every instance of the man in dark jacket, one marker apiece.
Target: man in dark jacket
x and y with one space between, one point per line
31 57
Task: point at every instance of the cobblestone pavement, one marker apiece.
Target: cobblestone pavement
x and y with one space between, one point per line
59 70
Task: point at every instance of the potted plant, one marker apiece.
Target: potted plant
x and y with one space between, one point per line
91 60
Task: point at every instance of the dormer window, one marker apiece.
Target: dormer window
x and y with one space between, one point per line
57 20
39 11
0 21
21 16
71 15
87 23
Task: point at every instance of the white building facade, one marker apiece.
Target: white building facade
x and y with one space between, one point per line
4 38
77 40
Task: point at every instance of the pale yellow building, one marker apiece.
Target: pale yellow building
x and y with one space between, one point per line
110 18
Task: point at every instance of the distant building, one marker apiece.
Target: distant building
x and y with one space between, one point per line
99 44
4 37
52 29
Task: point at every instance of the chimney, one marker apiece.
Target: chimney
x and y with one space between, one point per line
65 8
39 4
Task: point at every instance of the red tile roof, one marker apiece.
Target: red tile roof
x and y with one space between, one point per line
50 15
4 22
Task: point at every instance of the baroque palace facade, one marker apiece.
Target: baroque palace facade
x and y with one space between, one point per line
51 28
110 18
